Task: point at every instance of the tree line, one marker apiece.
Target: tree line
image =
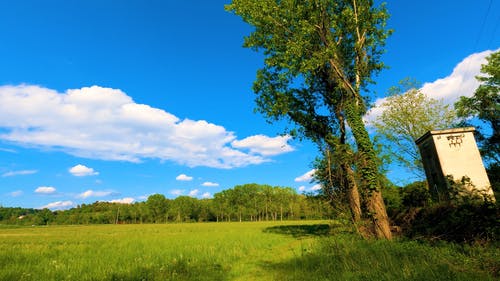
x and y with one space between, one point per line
249 202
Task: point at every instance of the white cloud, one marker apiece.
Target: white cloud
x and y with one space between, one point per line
16 193
126 200
8 150
307 177
45 190
94 193
183 177
461 82
206 195
19 173
103 123
59 205
316 187
313 188
194 192
82 171
210 184
177 192
264 145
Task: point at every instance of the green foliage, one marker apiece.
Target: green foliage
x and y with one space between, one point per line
467 215
465 222
254 202
185 209
485 105
330 174
319 57
416 194
392 198
407 115
463 191
493 172
157 204
249 202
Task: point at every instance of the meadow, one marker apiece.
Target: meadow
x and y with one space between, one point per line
301 250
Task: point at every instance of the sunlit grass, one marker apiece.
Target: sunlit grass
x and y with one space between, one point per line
228 251
208 251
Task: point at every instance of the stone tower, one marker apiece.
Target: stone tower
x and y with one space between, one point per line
452 152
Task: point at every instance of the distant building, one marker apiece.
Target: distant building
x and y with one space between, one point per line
452 152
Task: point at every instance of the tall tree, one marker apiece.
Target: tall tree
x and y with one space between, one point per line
157 205
319 57
485 105
407 115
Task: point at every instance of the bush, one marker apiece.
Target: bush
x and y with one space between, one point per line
468 216
467 222
392 199
416 194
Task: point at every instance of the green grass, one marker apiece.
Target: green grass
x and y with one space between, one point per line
229 251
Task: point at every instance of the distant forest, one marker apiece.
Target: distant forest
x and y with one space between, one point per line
249 202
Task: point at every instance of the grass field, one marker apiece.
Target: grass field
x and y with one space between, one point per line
230 251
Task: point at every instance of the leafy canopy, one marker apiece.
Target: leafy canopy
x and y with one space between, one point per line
407 115
317 54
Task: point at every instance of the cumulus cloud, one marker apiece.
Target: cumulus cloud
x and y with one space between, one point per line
16 193
461 82
45 190
94 193
307 177
126 200
103 123
19 173
194 192
82 171
183 177
302 188
264 145
210 184
206 195
58 205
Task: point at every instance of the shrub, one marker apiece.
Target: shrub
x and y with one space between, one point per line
466 222
416 194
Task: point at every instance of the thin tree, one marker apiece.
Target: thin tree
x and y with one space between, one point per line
407 115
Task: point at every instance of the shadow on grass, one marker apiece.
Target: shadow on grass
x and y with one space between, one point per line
299 231
345 258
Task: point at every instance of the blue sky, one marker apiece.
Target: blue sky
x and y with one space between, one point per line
117 100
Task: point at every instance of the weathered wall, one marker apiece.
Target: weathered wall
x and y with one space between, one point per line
452 152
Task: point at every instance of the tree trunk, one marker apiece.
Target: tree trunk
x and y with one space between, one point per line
353 194
369 171
380 219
